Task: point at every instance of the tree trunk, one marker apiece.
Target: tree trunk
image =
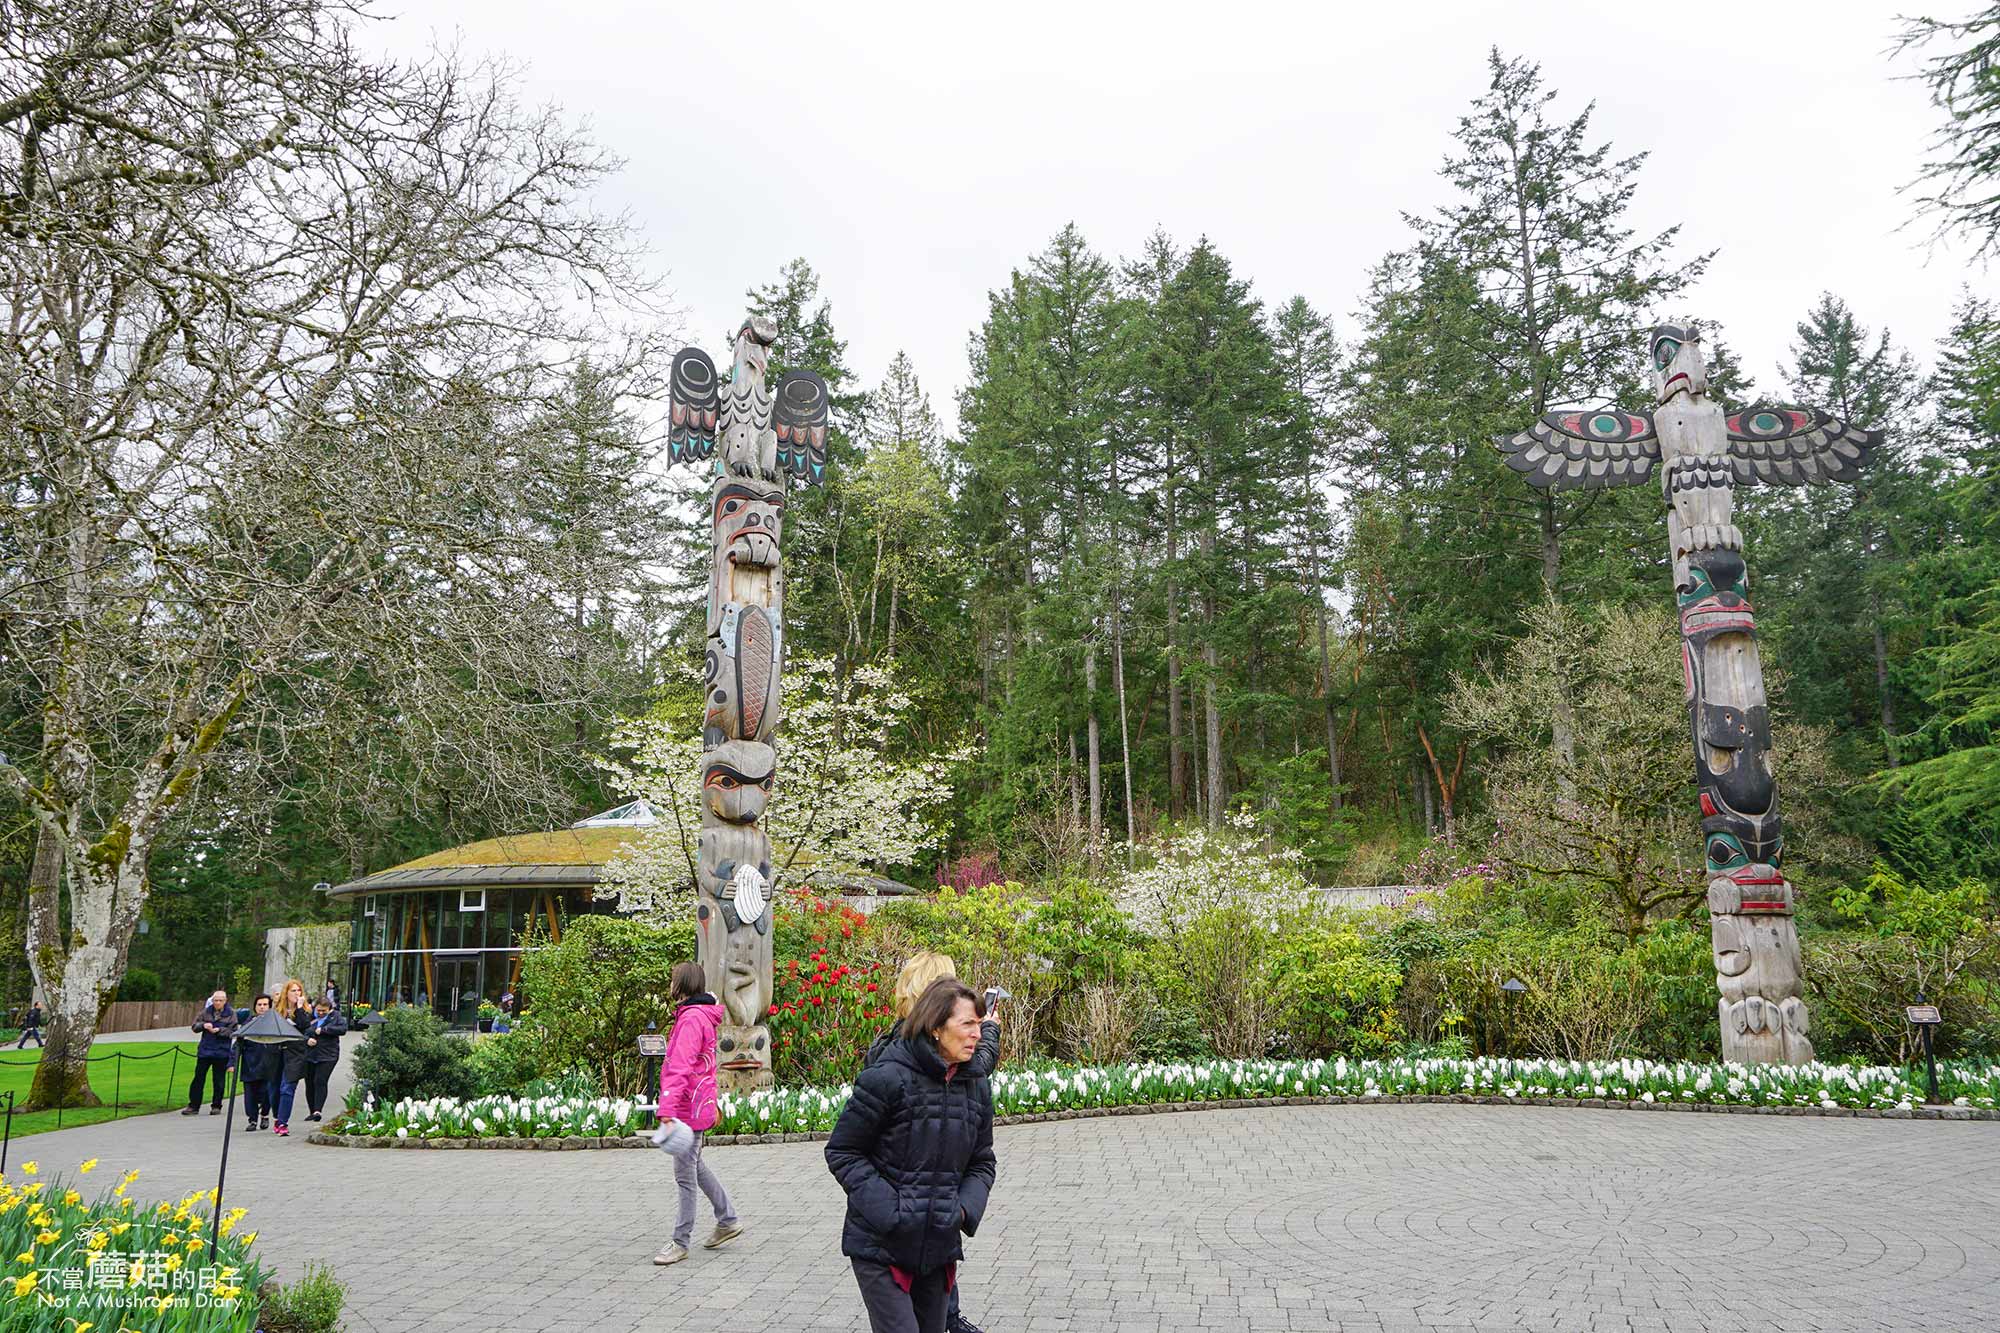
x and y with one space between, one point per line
1212 741
895 601
1124 724
1075 779
1888 704
1094 742
1326 679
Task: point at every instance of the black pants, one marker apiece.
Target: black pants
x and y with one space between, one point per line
202 1066
893 1310
27 1032
259 1096
316 1080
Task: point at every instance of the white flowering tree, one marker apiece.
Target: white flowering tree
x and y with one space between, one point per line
844 798
1187 872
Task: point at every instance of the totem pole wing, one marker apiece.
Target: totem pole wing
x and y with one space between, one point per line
798 417
1584 450
1792 446
692 406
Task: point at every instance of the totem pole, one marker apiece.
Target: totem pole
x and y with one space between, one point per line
757 436
1707 454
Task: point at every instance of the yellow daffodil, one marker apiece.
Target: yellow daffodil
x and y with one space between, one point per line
71 1198
227 1293
138 1271
130 1176
249 1237
98 1240
121 1228
25 1283
164 1208
173 1263
25 1257
170 1240
87 1167
30 1168
83 1328
47 1237
125 1203
32 1190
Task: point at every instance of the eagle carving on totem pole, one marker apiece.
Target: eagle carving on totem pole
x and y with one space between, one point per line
1704 453
758 436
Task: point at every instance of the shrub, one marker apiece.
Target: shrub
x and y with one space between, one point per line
502 1065
594 991
139 983
412 1055
1047 952
1169 1033
1213 965
1330 992
310 1305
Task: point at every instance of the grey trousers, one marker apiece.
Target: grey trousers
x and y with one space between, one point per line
893 1310
690 1171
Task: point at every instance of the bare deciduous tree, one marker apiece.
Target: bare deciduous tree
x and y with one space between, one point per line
270 308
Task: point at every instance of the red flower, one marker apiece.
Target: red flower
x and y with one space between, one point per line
774 1008
871 986
819 999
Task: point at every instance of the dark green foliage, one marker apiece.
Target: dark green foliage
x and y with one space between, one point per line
1171 1032
143 983
411 1054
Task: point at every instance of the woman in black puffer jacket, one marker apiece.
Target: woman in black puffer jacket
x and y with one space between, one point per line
914 1151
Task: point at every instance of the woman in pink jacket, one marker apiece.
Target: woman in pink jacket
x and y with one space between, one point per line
687 1110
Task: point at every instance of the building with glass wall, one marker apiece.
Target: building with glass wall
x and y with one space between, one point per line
448 930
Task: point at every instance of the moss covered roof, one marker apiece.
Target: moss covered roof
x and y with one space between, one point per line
558 857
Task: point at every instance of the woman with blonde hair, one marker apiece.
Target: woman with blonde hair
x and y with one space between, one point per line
292 1007
918 975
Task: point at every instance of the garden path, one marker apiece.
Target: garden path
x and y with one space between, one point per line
1375 1218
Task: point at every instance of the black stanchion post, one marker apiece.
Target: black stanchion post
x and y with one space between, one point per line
117 1082
215 1220
8 1137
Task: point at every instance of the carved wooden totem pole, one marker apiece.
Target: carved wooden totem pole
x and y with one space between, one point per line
1707 454
757 435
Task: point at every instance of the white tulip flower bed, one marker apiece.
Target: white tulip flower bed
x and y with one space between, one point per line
1054 1089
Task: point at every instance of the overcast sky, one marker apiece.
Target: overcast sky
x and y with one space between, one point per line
916 154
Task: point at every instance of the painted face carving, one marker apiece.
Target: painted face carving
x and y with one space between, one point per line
1677 363
736 780
747 515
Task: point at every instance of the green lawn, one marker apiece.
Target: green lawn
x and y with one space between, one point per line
148 1079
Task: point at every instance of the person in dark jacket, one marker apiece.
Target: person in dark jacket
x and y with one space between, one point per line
914 1150
31 1026
216 1023
915 978
257 1064
322 1054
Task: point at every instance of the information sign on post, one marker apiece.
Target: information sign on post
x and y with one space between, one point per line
1925 1018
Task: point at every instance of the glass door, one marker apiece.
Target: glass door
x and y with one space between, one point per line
457 998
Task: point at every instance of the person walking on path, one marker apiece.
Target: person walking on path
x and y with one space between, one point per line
258 1065
293 1009
322 1054
31 1026
687 1109
216 1023
913 1148
916 977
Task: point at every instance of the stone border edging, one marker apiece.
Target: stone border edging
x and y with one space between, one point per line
573 1142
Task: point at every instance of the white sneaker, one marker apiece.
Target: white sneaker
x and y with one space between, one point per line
673 1254
723 1234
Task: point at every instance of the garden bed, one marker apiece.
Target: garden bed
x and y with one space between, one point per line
1035 1095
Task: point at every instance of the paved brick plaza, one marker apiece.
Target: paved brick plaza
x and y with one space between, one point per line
1336 1217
